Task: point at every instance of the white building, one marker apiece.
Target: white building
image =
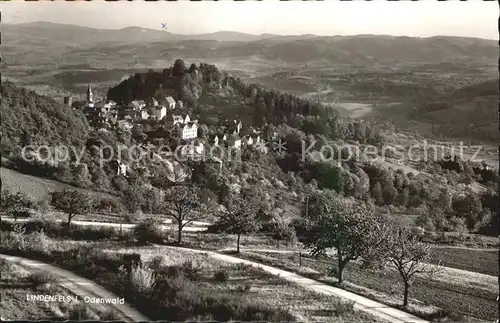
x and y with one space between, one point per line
170 103
175 119
189 130
107 105
252 140
144 113
214 139
137 105
193 150
160 112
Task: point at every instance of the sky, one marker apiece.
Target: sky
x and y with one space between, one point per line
425 18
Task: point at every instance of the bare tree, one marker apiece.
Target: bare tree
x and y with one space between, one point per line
344 224
72 202
184 205
239 216
403 251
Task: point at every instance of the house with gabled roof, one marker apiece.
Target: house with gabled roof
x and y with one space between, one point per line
169 102
175 119
253 139
189 130
136 105
213 139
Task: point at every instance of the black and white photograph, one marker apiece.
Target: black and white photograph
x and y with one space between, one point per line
271 161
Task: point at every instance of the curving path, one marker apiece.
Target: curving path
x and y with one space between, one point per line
80 286
195 226
446 274
361 303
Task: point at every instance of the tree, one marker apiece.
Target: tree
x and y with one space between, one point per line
179 68
134 198
389 193
240 216
16 205
403 197
377 193
402 250
203 131
72 202
184 206
342 223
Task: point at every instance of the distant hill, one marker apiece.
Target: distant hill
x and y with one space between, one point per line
307 48
78 34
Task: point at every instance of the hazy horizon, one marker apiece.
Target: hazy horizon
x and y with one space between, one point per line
413 19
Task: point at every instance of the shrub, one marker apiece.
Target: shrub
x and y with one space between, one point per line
43 207
177 294
343 307
92 233
12 240
109 315
299 225
230 309
244 288
80 312
281 231
142 278
51 228
192 272
16 205
241 266
170 271
108 205
5 266
41 279
147 231
38 242
221 275
156 262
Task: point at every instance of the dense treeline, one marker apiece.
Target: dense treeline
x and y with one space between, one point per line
269 106
29 118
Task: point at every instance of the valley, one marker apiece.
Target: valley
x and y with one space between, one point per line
165 232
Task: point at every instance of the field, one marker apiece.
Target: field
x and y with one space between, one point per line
475 260
454 296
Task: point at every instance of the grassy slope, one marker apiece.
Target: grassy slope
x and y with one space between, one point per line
263 288
38 189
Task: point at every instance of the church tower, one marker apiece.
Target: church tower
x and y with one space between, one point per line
90 96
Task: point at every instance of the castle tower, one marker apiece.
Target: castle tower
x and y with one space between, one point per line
90 96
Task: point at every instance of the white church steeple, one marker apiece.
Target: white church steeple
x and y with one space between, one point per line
90 96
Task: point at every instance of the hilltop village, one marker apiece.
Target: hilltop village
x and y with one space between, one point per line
183 131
